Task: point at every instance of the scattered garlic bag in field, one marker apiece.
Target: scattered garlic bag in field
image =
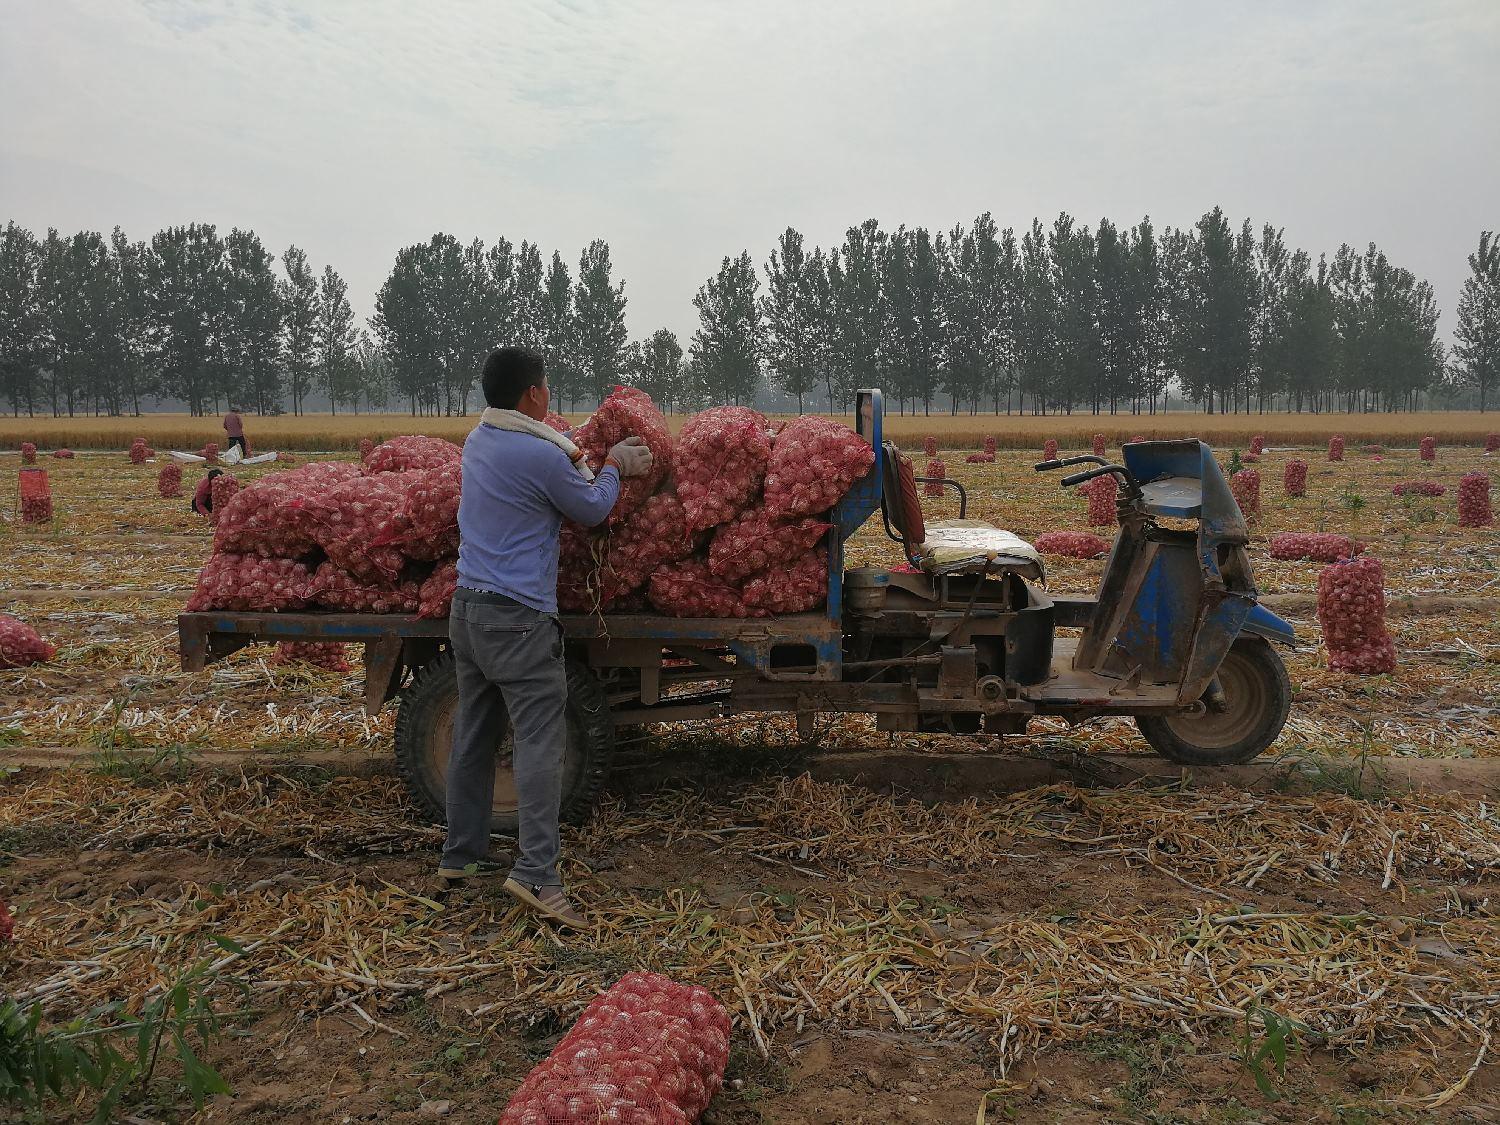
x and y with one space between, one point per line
1049 449
1071 544
1474 501
1245 485
1098 445
1336 447
1102 493
169 481
1318 546
936 473
1351 611
1419 488
20 645
1428 449
1294 478
929 446
1258 444
28 453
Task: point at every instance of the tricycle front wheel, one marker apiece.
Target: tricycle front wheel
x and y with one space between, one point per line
424 741
1257 697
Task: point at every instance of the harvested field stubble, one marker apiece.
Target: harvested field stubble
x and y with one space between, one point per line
1006 927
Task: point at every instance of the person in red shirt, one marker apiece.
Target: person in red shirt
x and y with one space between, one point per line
234 430
203 495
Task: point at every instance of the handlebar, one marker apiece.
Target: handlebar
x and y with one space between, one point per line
1064 462
1087 474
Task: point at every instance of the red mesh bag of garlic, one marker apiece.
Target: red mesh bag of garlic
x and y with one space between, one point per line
1492 443
557 422
221 491
936 473
1102 492
648 1051
249 582
794 587
352 522
1419 488
1428 449
264 518
1351 610
28 453
655 534
1071 544
366 446
580 570
689 589
410 451
20 645
628 412
1136 439
1098 445
1294 478
1258 444
1245 485
36 495
756 542
813 463
137 452
980 459
1474 501
1318 546
169 481
210 452
435 597
1049 449
426 527
1336 447
929 446
333 587
327 655
719 464
63 454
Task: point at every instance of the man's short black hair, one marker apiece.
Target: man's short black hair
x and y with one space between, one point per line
507 374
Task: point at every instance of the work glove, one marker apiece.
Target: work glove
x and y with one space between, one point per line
631 456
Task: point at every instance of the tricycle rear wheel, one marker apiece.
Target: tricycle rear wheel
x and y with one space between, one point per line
1257 700
424 740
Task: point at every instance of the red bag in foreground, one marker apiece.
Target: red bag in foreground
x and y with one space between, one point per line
936 473
1245 485
755 542
813 463
1294 478
627 412
20 645
1351 610
1474 501
647 1051
720 462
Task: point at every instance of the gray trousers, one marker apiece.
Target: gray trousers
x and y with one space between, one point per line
510 671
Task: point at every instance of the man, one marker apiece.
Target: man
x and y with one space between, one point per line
234 431
203 495
521 478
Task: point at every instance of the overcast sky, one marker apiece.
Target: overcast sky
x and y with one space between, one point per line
685 131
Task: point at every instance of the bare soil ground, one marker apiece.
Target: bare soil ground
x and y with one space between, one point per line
902 928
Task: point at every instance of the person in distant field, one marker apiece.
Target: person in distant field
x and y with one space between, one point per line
234 431
521 480
203 495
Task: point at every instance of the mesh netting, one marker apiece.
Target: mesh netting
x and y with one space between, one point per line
646 1052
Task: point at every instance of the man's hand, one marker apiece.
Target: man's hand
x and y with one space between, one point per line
632 457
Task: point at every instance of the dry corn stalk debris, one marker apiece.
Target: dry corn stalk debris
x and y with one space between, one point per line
836 951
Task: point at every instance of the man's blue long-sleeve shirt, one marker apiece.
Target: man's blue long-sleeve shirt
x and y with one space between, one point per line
517 490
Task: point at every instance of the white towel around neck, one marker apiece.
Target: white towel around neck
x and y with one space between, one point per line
518 423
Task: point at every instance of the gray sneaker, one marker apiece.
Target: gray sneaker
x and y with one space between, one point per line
550 902
483 869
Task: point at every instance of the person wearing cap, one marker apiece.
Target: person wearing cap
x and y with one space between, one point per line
234 431
521 479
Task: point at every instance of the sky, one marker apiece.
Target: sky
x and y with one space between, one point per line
682 131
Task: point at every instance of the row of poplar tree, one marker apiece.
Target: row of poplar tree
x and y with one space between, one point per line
1058 319
90 324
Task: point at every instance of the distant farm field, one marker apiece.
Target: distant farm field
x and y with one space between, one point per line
962 431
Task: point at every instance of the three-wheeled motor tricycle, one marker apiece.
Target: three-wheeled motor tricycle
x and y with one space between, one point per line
965 640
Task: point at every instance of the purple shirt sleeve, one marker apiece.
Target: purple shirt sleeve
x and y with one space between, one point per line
584 502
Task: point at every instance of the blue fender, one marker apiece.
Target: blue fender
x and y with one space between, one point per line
1263 623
